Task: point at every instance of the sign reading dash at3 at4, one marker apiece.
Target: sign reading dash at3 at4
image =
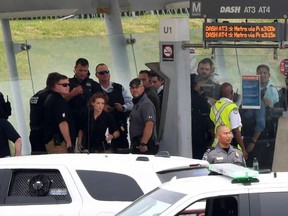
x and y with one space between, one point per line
243 31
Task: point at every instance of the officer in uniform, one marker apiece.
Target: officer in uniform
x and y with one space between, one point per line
223 152
81 90
37 104
224 111
142 119
58 122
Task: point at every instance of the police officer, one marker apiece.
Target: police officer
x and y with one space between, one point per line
37 103
58 123
81 90
142 119
224 111
223 152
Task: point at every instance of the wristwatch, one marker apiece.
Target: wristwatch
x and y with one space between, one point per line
143 144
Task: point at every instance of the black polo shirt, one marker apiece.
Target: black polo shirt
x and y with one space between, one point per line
56 111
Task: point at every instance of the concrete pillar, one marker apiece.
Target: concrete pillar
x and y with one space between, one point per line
15 86
118 44
175 64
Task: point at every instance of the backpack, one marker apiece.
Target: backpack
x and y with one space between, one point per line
5 107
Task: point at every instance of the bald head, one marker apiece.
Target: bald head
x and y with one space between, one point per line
224 135
226 90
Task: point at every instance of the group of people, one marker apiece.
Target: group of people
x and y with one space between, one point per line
215 113
82 114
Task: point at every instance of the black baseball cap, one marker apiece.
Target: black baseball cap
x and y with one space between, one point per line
135 82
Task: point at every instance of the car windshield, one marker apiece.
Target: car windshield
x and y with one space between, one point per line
153 203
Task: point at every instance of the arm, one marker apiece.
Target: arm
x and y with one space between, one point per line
237 134
147 133
254 139
18 147
115 135
64 128
128 104
80 140
127 100
75 91
271 96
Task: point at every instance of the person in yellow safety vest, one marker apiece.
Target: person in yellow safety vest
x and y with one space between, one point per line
224 111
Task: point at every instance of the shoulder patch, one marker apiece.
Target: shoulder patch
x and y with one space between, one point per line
205 155
235 111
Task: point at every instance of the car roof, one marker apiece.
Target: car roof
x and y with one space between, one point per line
220 183
90 161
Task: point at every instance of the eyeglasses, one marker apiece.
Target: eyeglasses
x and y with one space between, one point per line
63 84
103 72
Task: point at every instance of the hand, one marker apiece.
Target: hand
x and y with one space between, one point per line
245 154
68 145
119 107
79 147
211 100
143 148
77 90
109 137
267 102
108 108
250 147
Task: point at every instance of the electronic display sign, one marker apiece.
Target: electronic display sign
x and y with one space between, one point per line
251 92
236 9
243 31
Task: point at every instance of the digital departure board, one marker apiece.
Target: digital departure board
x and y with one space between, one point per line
242 31
235 9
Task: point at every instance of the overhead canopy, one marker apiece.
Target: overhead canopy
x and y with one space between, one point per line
10 9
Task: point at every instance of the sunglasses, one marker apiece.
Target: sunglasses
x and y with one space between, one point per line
103 72
63 84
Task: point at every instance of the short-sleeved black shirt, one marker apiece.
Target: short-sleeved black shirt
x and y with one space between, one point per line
56 111
7 132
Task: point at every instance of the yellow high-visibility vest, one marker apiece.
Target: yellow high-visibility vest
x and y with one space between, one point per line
219 114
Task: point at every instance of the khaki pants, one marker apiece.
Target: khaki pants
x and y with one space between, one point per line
56 149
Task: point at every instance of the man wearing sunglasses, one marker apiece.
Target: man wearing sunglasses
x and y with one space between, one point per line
81 89
119 104
58 122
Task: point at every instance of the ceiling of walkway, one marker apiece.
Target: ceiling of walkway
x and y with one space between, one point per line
10 9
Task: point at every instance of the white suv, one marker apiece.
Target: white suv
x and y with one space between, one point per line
85 184
246 194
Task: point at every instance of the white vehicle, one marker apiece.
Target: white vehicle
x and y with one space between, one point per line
85 184
243 193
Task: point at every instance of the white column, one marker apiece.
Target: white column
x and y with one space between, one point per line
118 45
175 64
15 86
